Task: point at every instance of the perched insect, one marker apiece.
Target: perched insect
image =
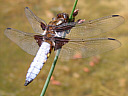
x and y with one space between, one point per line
73 37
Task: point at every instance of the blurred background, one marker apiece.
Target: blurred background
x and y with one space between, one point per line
102 75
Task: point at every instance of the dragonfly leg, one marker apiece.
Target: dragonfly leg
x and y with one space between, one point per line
75 13
80 21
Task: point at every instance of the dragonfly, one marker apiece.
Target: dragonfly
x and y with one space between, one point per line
71 36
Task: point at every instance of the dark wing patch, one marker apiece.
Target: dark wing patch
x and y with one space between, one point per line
59 42
39 39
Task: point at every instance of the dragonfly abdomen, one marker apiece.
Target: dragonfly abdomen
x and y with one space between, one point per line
38 62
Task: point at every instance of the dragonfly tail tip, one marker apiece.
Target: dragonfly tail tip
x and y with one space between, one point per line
27 82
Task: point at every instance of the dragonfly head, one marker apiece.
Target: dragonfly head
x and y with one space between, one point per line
63 17
60 19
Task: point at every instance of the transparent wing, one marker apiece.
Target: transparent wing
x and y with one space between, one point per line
25 40
88 47
95 27
34 21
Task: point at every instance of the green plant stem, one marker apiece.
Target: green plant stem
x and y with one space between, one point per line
55 59
50 73
70 17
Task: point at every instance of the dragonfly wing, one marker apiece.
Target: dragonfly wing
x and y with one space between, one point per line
25 40
95 27
88 47
34 21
